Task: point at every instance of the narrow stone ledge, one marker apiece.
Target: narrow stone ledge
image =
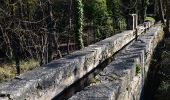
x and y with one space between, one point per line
127 71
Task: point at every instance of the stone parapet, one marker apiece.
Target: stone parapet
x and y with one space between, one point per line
49 80
123 78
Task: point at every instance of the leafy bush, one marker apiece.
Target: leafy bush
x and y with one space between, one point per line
97 12
149 19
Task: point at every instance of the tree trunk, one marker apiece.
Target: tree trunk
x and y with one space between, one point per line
70 27
161 11
79 17
167 31
143 13
15 42
16 51
52 36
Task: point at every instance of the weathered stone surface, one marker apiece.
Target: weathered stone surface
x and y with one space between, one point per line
127 70
100 92
49 80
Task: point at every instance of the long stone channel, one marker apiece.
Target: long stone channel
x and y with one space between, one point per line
119 79
123 78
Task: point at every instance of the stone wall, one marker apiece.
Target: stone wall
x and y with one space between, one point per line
123 79
49 80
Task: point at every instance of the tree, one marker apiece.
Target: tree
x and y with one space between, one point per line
145 3
96 11
115 11
167 31
79 18
161 11
52 36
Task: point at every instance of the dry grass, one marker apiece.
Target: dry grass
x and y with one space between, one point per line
8 71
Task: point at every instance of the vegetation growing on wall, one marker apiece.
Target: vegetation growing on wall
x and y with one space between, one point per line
79 18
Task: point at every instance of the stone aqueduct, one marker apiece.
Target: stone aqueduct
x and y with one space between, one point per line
122 79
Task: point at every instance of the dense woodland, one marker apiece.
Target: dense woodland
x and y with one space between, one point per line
49 29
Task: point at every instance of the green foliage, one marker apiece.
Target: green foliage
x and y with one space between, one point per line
146 3
114 8
93 80
164 87
138 69
79 23
149 19
163 91
97 12
96 9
